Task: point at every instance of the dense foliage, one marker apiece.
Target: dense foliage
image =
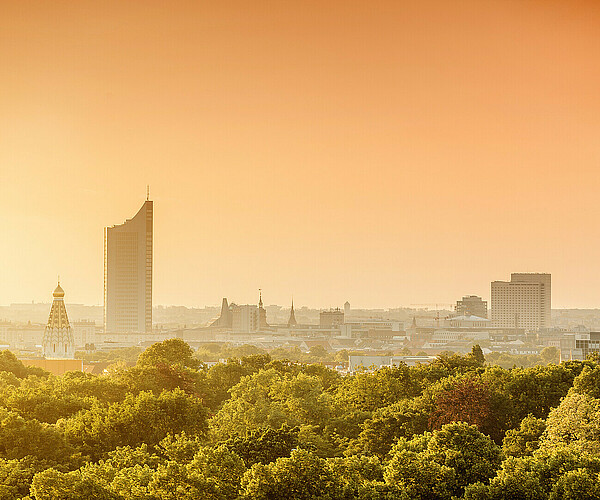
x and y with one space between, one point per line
256 427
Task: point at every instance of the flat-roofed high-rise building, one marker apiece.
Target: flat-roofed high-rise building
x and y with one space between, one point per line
471 305
128 274
523 302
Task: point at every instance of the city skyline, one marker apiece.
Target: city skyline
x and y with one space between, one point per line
147 302
390 155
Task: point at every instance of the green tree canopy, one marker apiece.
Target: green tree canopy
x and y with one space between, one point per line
526 439
169 352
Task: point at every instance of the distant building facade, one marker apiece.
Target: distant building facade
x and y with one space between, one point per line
375 362
471 305
578 346
331 318
523 302
84 332
241 318
58 341
468 322
128 273
23 337
369 327
245 318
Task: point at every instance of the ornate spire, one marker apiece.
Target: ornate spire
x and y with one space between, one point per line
58 293
292 321
58 341
262 313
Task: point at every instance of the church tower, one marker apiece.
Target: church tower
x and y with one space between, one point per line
262 313
58 341
292 321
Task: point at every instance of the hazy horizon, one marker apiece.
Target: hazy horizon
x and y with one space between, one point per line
297 305
385 153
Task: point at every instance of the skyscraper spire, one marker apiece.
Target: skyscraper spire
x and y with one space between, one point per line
292 321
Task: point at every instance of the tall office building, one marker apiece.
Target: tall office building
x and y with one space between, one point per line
128 274
523 302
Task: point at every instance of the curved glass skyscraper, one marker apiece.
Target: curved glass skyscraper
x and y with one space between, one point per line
128 274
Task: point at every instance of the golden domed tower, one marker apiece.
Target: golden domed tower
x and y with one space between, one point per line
58 341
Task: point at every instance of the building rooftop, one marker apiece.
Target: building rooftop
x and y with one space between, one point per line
468 318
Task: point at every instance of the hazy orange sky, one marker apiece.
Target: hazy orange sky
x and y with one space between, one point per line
385 153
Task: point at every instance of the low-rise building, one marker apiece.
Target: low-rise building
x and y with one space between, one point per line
578 346
469 321
374 362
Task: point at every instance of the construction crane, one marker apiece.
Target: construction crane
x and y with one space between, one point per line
437 318
437 306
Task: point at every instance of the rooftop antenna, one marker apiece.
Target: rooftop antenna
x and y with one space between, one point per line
147 192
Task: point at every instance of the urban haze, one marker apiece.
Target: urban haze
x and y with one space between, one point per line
299 250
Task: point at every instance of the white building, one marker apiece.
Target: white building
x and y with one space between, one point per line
468 322
522 302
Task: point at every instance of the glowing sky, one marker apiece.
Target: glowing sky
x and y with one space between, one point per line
385 153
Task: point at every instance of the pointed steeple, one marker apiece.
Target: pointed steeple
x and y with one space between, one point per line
292 321
262 313
58 341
